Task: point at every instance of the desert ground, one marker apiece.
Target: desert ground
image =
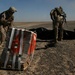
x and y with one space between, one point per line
53 60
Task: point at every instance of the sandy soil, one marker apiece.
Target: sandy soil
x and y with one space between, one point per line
56 60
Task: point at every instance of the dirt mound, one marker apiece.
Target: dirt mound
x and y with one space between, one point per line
58 59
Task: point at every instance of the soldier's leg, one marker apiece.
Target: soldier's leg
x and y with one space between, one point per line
3 34
56 32
61 32
6 29
53 25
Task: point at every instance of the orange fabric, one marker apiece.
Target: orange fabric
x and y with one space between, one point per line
33 44
15 45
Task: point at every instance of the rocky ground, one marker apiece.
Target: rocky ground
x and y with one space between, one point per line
53 60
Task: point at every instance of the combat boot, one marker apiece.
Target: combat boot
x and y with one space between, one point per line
60 39
55 41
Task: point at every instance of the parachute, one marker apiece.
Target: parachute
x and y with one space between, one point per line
19 49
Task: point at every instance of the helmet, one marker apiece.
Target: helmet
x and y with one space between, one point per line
60 8
56 8
12 9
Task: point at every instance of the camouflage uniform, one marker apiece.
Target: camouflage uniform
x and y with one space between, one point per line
58 23
6 21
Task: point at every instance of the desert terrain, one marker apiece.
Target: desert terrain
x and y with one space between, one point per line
52 60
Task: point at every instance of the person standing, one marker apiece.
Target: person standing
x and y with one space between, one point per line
58 17
6 22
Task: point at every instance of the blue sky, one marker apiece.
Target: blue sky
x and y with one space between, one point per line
38 10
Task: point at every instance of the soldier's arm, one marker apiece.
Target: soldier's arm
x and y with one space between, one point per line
51 15
64 16
3 18
11 21
56 15
6 21
11 25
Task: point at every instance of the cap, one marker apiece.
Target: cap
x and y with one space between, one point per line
12 9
